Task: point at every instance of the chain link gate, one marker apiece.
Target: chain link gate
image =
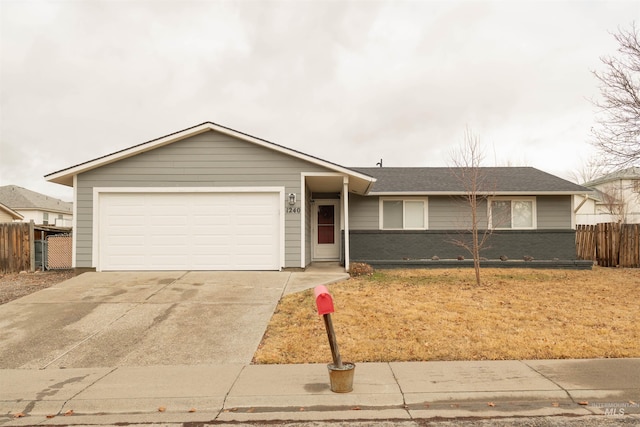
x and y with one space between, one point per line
59 252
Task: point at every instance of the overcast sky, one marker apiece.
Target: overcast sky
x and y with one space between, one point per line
350 82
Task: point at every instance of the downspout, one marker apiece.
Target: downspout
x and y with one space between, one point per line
345 209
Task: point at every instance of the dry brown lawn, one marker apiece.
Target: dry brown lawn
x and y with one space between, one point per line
413 315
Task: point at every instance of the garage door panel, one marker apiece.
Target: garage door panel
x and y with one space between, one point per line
177 231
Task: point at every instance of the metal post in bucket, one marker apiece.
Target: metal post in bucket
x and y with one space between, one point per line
340 374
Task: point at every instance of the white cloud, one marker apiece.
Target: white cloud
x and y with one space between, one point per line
347 81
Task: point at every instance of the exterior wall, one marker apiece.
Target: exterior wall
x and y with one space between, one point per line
210 159
627 191
449 221
370 245
37 216
453 213
364 212
5 217
554 212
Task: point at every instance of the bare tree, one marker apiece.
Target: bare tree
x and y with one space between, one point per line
588 171
467 160
617 134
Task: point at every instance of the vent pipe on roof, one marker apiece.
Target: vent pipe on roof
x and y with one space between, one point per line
379 163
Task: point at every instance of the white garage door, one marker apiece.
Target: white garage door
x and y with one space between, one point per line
189 231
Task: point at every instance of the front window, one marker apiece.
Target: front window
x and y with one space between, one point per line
401 214
45 218
513 213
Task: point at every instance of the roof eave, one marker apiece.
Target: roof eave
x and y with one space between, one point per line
480 193
65 176
11 212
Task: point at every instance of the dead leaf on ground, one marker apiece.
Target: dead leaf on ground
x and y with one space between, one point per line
555 404
356 408
162 409
18 415
583 403
68 413
51 416
491 404
192 410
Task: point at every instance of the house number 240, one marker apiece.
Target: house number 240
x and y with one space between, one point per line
293 210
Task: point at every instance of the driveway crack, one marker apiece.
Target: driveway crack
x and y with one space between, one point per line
567 392
224 401
86 388
404 401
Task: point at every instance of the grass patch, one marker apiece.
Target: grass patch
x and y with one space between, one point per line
419 315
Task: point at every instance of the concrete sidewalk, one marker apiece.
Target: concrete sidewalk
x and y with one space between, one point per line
402 391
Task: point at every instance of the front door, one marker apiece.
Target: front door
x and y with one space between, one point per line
326 241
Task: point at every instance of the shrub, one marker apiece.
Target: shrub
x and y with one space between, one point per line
360 269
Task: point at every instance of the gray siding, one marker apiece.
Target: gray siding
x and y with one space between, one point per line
553 212
454 213
364 212
210 159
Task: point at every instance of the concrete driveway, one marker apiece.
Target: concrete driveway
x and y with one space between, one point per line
146 318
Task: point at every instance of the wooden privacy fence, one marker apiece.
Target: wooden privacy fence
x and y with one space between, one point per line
16 247
610 244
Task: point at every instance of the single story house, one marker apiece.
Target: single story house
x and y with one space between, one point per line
213 198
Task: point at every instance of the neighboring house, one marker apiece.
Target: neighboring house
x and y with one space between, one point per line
212 198
616 198
36 207
9 215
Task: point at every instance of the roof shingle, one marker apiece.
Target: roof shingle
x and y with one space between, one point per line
444 180
17 198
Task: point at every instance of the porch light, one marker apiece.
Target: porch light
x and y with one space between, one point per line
292 198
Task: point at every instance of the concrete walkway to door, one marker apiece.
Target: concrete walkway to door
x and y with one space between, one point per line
147 318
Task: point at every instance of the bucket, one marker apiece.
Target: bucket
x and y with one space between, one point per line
341 379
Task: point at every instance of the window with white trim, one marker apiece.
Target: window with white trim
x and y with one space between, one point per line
512 213
403 214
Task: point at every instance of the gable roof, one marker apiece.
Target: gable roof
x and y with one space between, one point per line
18 198
628 173
65 176
11 212
443 180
